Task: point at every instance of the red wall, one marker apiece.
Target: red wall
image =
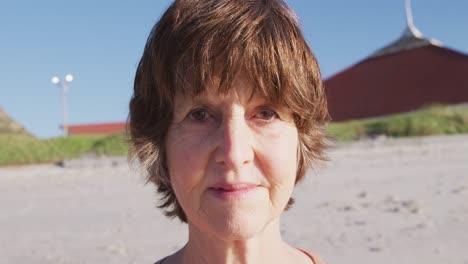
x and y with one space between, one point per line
398 82
97 129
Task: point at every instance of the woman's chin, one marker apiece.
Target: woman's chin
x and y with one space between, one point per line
234 218
238 226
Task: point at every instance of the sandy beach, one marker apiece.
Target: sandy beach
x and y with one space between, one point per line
383 201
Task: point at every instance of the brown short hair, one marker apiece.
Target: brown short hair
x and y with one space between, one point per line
261 38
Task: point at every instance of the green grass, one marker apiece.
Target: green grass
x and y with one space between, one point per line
114 145
17 148
431 120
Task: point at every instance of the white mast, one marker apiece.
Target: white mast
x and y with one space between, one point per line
411 37
411 29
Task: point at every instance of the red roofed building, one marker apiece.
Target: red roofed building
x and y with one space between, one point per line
97 129
410 73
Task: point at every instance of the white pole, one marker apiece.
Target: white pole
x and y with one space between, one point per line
409 14
412 30
64 87
64 110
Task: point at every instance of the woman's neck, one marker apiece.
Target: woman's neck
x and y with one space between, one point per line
265 247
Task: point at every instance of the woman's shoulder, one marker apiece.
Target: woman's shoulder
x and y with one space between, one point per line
315 258
160 261
169 258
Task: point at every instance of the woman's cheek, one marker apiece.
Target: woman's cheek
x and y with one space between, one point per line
186 165
280 136
277 148
191 149
277 157
186 151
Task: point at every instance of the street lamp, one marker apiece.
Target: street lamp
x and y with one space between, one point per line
64 86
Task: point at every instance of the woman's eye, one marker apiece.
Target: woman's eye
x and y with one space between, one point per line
266 114
199 115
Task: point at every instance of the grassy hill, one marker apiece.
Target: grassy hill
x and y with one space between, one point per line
9 126
21 148
431 120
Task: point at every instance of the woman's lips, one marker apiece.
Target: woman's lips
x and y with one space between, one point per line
229 191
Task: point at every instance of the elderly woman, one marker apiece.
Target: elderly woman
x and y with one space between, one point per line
226 117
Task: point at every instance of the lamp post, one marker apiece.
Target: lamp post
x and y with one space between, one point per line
63 84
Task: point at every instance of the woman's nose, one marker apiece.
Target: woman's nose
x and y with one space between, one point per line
234 148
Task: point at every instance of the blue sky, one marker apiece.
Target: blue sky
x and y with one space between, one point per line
100 43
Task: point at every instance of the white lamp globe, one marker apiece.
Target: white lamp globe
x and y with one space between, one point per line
55 80
69 78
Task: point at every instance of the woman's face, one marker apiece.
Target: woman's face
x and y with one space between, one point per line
232 160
